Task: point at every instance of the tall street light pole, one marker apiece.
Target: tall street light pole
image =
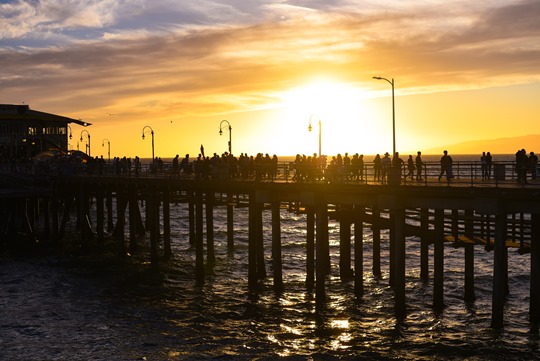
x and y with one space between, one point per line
108 147
221 126
146 129
88 145
310 128
391 82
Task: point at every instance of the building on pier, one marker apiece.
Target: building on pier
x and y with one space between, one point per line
25 132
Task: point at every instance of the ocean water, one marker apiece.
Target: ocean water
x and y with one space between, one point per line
57 306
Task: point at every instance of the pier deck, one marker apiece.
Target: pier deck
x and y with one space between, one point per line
496 214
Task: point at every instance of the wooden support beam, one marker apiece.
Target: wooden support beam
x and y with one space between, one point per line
192 220
399 262
469 257
424 244
100 219
230 222
310 248
499 271
167 252
345 271
209 208
153 223
534 308
252 243
438 262
259 241
359 214
276 246
320 259
199 238
392 249
133 210
376 231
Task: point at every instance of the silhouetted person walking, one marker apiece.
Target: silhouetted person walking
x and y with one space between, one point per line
446 166
410 167
419 165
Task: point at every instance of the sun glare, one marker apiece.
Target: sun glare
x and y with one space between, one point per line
344 112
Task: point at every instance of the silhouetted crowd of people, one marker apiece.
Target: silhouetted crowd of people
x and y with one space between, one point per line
339 168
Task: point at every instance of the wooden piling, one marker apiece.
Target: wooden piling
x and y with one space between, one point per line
310 248
276 246
424 244
438 262
392 249
118 232
230 222
83 215
376 234
100 219
499 278
534 307
109 206
259 240
153 219
252 244
469 257
399 261
167 252
359 213
345 243
320 259
191 218
54 215
210 249
199 239
46 219
133 209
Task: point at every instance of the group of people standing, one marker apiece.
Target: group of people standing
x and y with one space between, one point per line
383 167
526 164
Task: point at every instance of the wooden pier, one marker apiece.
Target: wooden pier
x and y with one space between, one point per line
493 217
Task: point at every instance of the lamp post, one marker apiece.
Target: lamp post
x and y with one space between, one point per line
310 128
391 82
151 132
108 147
221 126
88 145
70 136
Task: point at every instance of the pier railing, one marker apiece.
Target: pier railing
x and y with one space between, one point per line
500 174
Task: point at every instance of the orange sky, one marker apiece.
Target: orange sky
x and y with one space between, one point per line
463 71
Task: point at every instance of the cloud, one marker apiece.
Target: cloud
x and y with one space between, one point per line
238 65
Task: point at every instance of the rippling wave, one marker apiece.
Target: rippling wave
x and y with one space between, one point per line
99 308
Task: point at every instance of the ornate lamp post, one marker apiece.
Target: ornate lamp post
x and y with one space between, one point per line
108 147
221 126
88 134
146 129
391 82
310 128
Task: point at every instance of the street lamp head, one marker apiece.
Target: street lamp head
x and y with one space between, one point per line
220 132
142 135
377 77
310 128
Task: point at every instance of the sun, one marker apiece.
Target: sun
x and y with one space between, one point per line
342 111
